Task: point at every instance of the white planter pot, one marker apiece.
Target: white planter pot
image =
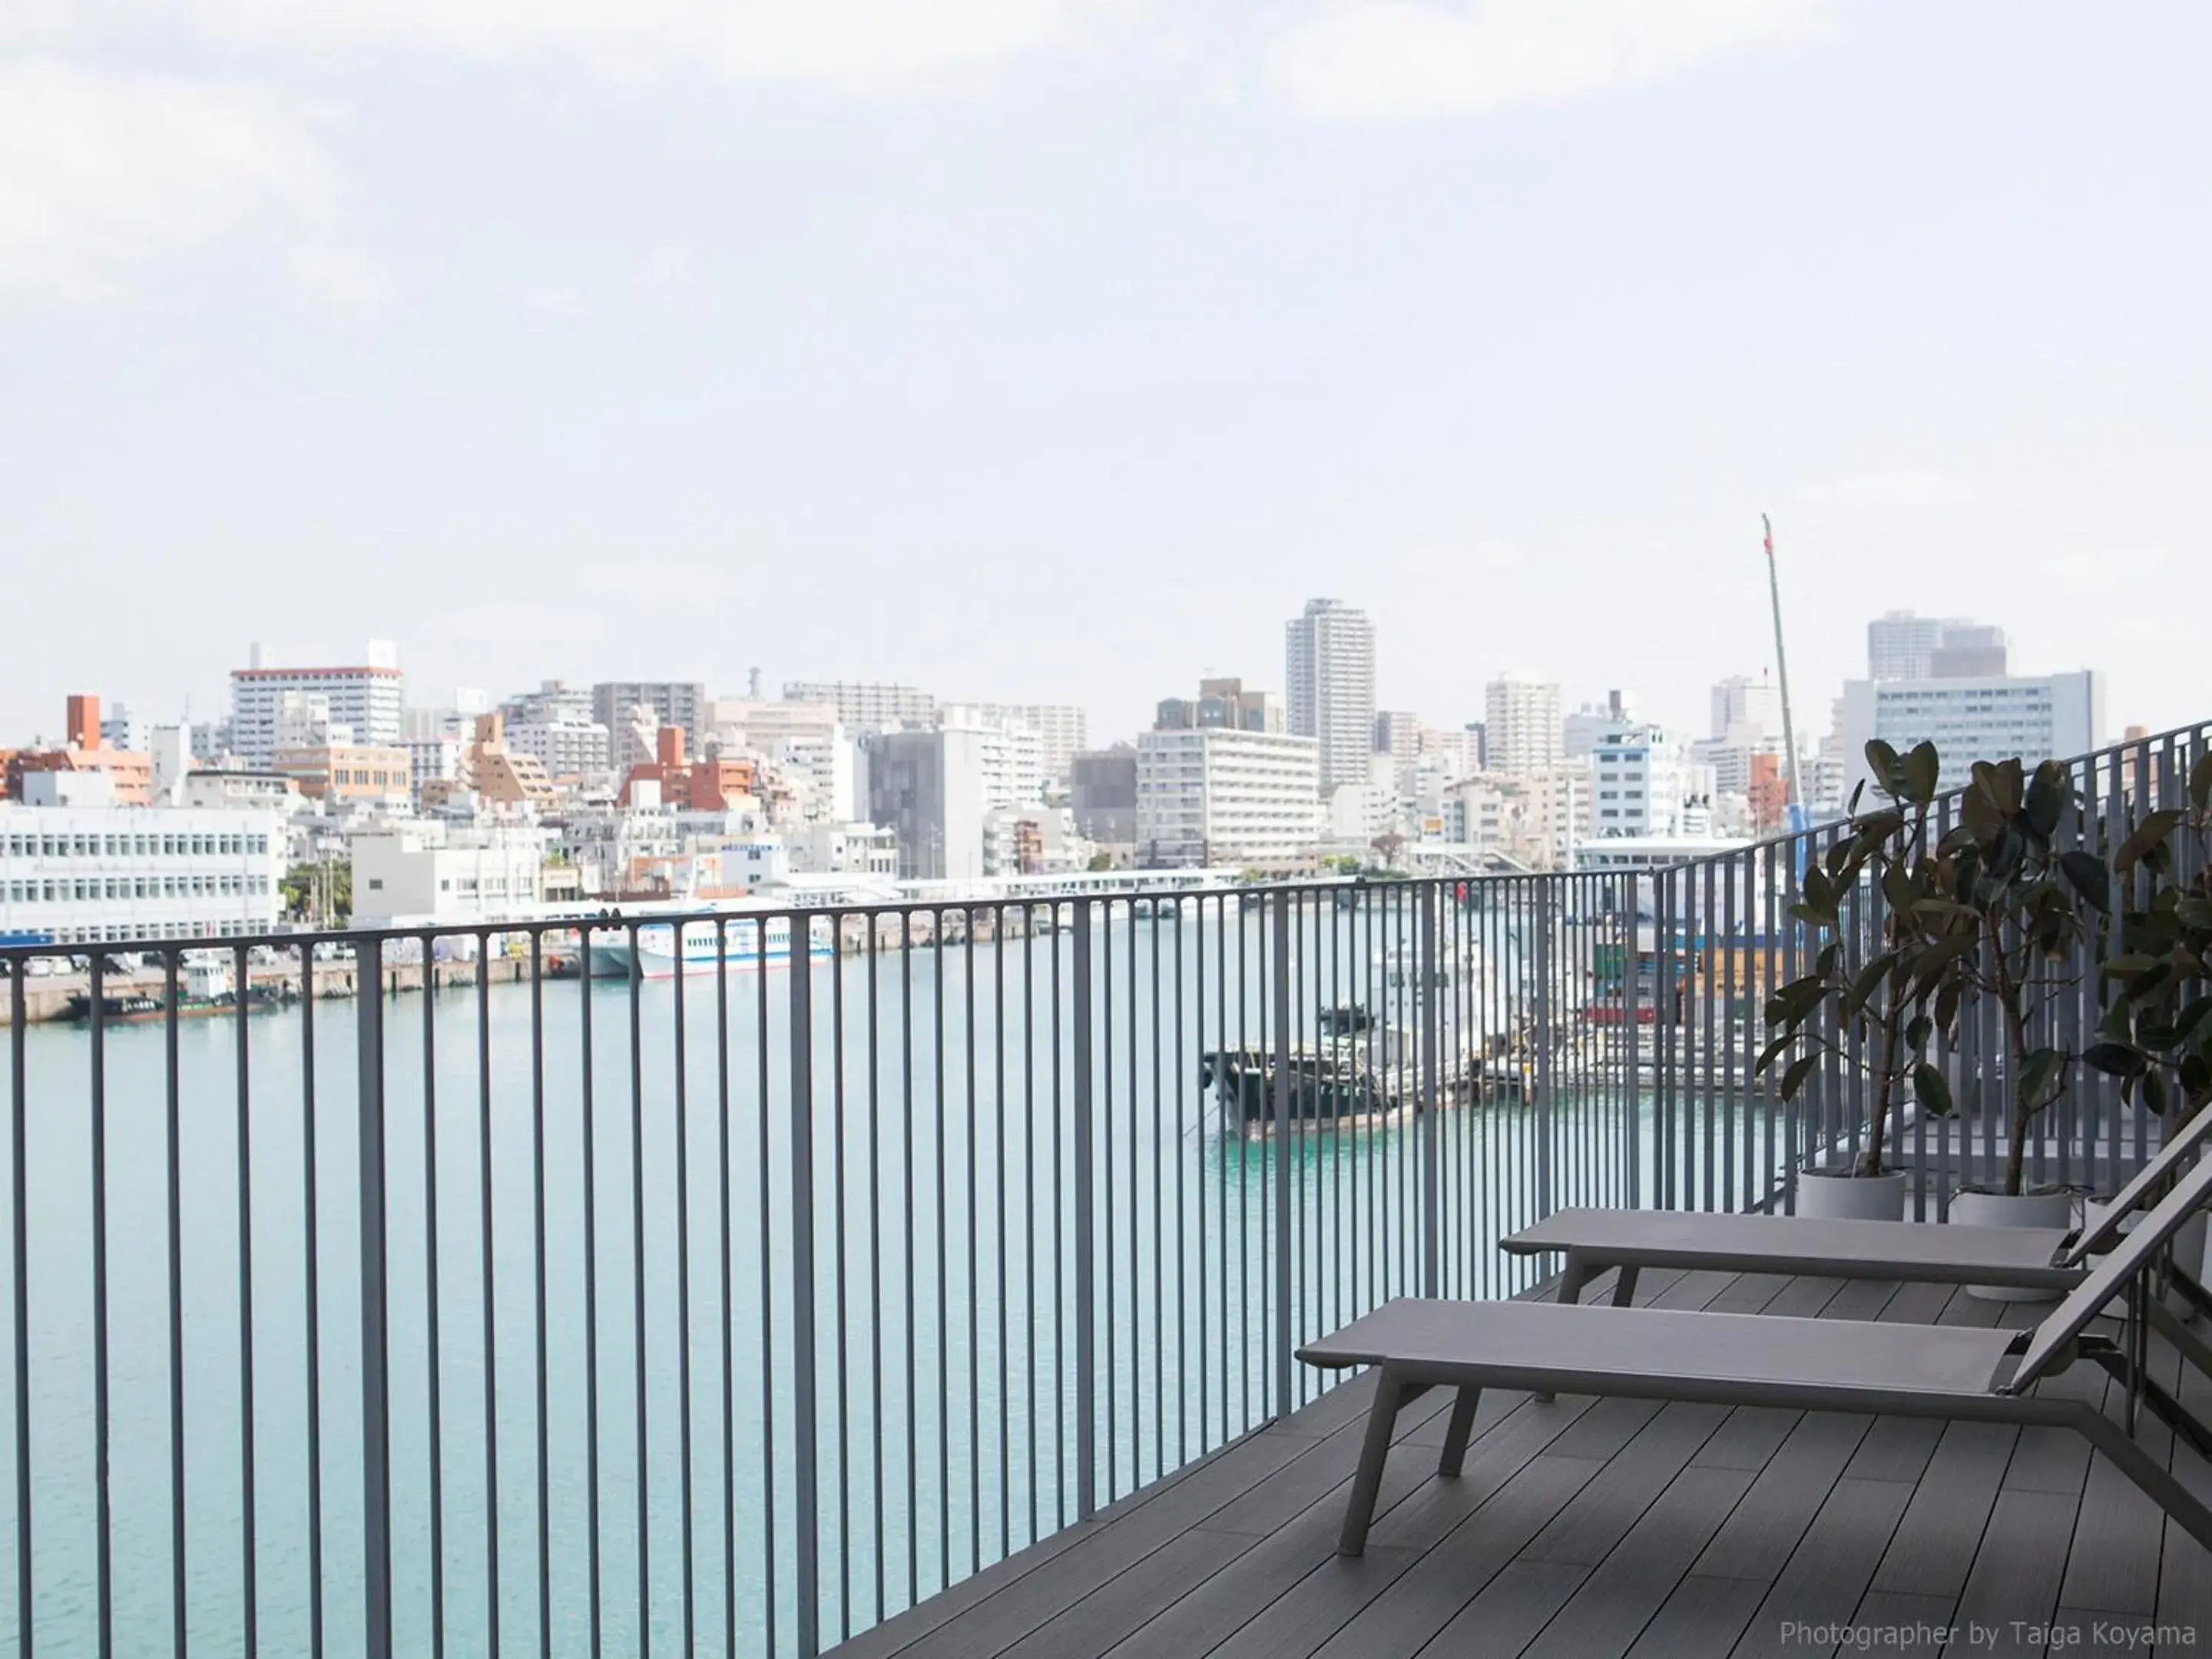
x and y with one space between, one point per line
2190 1248
2052 1210
1852 1198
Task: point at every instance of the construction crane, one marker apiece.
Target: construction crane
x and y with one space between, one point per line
1793 810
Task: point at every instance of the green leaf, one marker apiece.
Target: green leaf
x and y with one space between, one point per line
1921 767
2200 781
1917 1030
2154 1088
1946 1005
1931 1088
2038 1073
1881 761
2129 963
2114 1059
2196 1074
2151 832
2087 876
1766 1054
1868 982
1794 1078
2049 795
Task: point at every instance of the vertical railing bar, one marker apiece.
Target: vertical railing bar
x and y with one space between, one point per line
1159 1235
1086 1378
487 1272
1182 1224
1281 1159
805 1381
970 1129
727 1276
434 1423
248 1492
802 959
944 1401
102 1422
539 1335
375 1354
640 1429
999 1247
1059 1246
678 994
19 1242
589 1119
763 1112
906 1310
1029 1197
1432 1099
1105 1046
875 1244
173 1149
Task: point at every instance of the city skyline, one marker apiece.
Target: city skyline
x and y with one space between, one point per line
275 371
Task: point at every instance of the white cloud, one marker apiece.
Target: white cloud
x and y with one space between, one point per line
1903 486
339 276
851 45
100 172
1402 59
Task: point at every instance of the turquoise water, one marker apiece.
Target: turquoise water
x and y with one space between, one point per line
943 1213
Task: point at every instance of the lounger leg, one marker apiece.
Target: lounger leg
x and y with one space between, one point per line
1458 1430
1572 1278
1391 1392
2161 1488
1624 1287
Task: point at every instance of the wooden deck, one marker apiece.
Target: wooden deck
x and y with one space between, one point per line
1583 1530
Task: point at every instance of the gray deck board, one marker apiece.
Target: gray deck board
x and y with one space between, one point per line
1608 1528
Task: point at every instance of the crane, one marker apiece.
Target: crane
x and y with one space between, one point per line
1793 809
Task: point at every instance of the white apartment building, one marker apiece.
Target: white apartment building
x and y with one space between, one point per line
427 871
566 747
220 790
1644 784
1524 733
1901 646
553 700
1583 729
1536 820
825 768
672 702
1062 729
81 875
2035 717
369 701
1012 752
844 849
1329 663
1220 796
865 708
432 759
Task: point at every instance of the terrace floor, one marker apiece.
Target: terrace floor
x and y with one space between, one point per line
1582 1529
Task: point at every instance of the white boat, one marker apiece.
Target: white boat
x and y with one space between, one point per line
705 947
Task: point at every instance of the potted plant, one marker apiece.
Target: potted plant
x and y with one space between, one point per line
2008 922
1870 887
2155 1036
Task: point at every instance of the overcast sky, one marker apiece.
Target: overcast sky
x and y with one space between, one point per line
1060 351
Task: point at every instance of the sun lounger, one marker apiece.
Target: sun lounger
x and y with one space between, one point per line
1946 1372
2032 1258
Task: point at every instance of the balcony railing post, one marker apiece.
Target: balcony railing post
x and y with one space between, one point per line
806 1482
1545 905
375 1347
1086 1327
1281 961
1432 994
1631 962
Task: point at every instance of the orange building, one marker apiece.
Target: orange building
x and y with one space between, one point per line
130 771
705 786
347 772
1769 792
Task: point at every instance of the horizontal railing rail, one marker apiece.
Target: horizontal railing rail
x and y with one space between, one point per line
730 1282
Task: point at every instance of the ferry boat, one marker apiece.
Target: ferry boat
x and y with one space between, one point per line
705 947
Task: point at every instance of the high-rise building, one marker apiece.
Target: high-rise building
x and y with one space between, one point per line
1901 646
1745 710
1524 731
369 700
1061 728
866 707
1225 703
672 703
553 700
1222 795
2034 717
1011 754
1397 734
1102 794
1642 785
1329 658
927 787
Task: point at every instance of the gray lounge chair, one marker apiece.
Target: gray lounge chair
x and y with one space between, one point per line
1948 1372
2035 1258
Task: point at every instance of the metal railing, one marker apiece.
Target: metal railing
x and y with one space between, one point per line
506 1290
